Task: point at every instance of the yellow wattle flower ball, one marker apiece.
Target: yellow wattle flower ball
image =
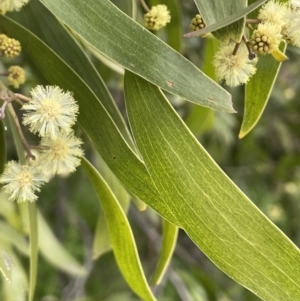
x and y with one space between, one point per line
157 17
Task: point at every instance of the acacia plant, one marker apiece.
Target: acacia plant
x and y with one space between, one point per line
58 117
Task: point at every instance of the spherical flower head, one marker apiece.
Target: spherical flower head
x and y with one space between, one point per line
10 47
273 12
61 155
16 76
291 31
16 5
197 23
157 17
4 6
266 38
294 5
49 111
234 69
22 181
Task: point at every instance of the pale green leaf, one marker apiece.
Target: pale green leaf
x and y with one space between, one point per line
169 239
55 253
121 236
102 131
17 288
9 235
2 146
123 40
33 240
6 263
228 20
258 91
216 215
101 242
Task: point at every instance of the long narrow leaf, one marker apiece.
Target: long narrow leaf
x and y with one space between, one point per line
217 216
123 40
33 235
169 239
94 119
55 253
121 236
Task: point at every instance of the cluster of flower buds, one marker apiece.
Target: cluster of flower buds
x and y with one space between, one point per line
11 48
50 113
277 22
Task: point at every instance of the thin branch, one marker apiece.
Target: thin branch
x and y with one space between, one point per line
19 129
22 97
251 55
253 21
144 5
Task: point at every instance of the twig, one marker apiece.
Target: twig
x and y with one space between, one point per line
251 55
19 129
253 21
145 6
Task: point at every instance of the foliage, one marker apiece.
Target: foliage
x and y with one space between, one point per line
160 208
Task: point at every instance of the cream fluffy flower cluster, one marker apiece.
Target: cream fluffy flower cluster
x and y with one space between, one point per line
234 69
280 21
157 17
235 64
50 113
11 5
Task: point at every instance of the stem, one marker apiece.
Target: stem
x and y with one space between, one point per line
5 103
19 129
236 48
144 6
253 21
251 55
22 97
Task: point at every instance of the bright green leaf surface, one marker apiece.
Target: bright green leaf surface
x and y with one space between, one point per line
228 20
214 11
258 91
216 215
169 239
101 242
121 236
123 40
55 253
94 120
36 18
